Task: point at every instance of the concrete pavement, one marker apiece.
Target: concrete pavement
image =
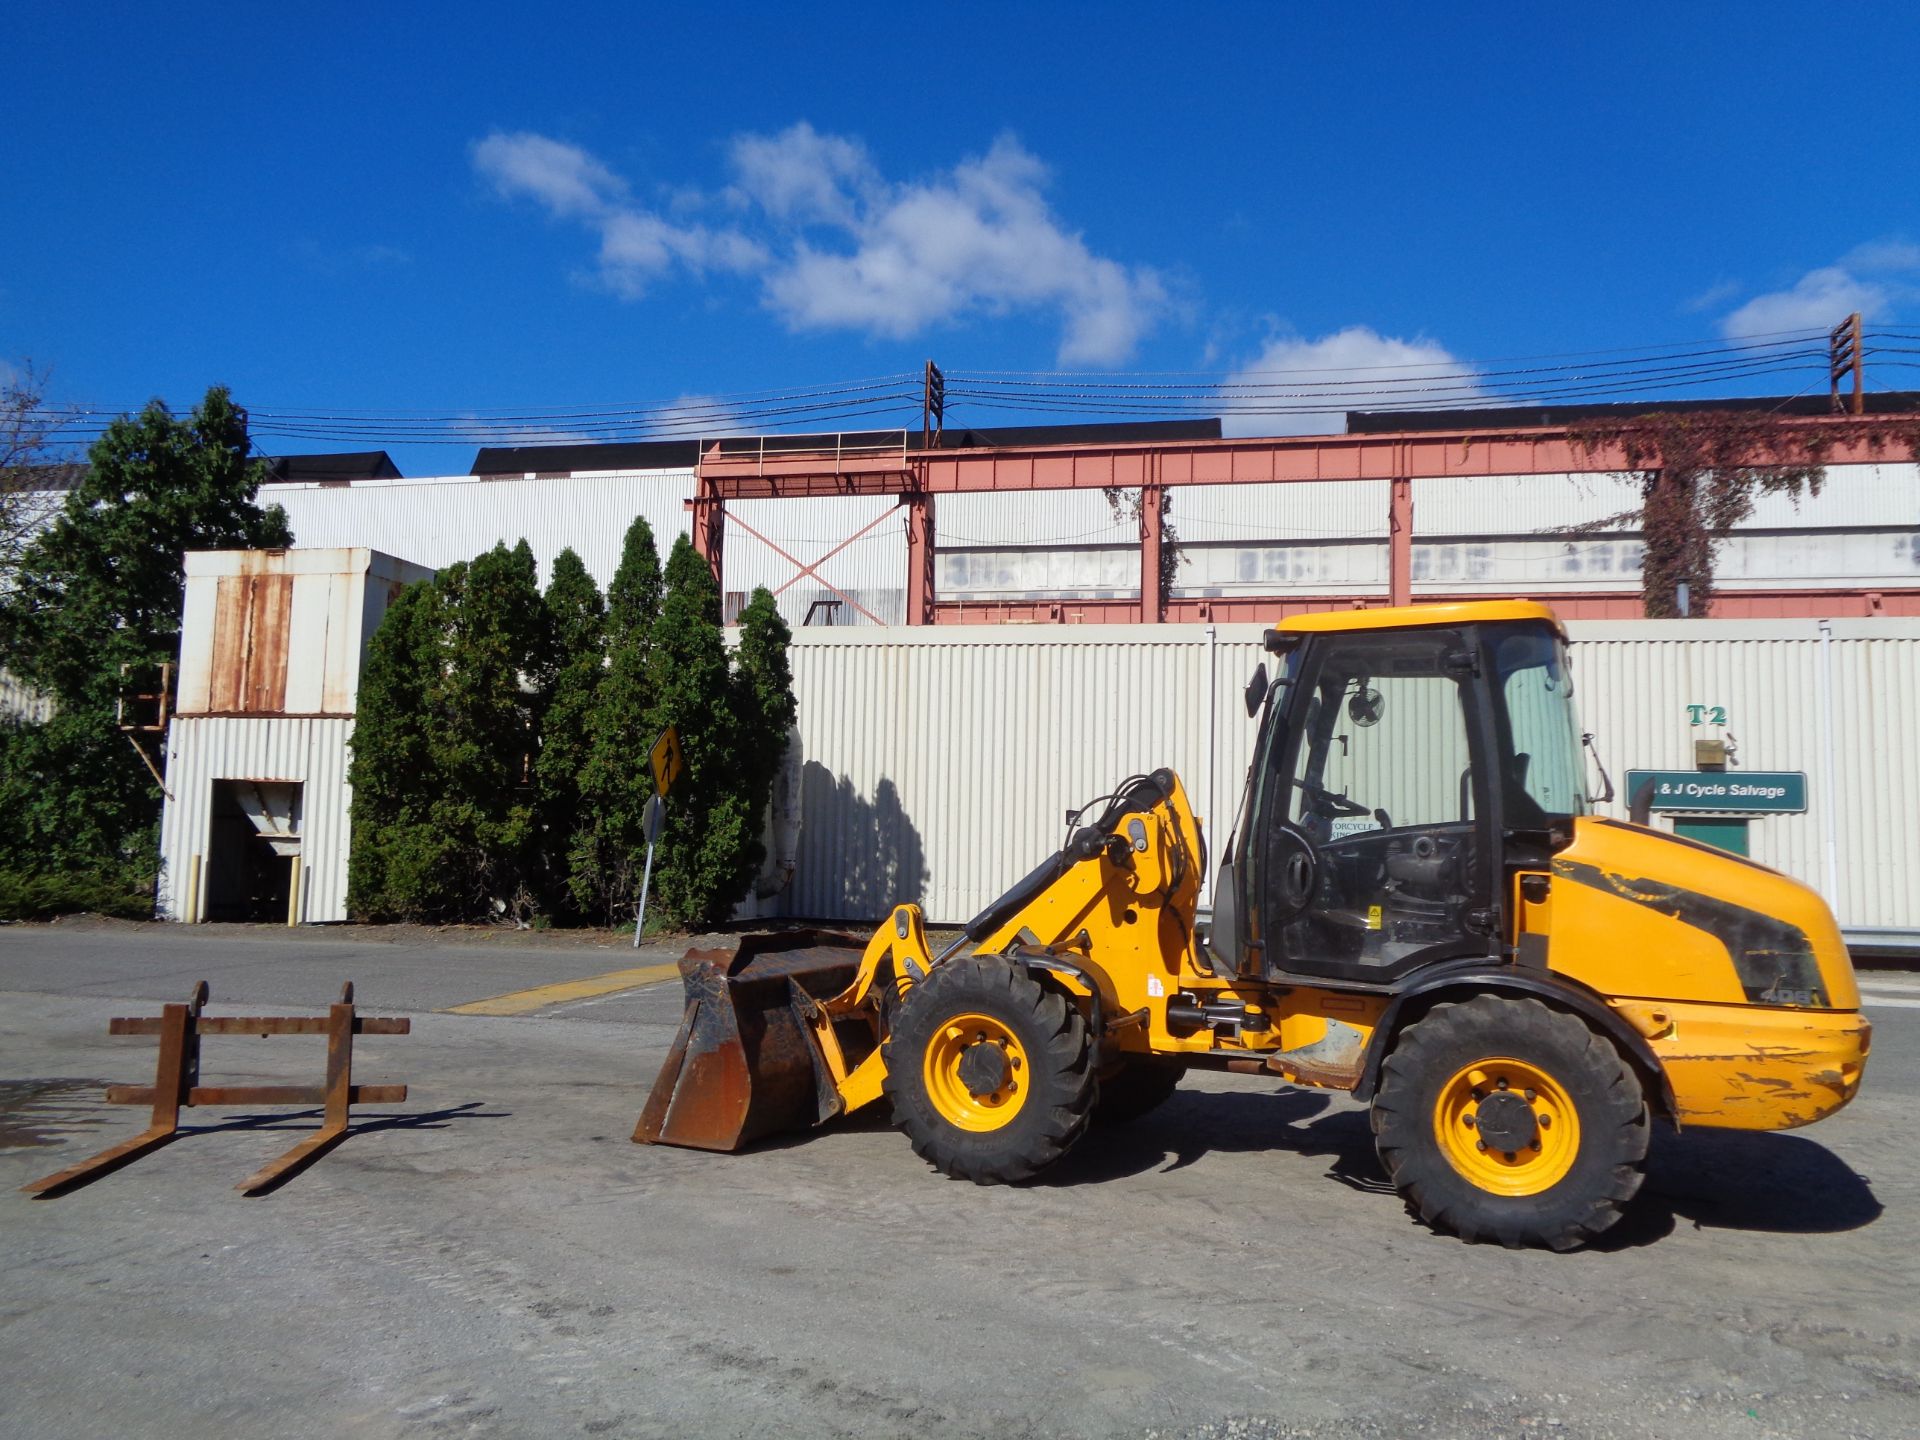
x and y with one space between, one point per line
495 1258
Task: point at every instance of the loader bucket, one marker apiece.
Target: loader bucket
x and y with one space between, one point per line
744 1063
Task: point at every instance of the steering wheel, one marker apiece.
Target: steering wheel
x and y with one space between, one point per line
1329 803
1296 871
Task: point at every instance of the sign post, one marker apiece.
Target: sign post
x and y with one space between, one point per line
668 764
650 822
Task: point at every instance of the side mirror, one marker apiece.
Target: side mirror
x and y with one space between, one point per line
1256 689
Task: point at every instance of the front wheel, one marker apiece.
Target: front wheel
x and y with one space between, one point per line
989 1072
1505 1120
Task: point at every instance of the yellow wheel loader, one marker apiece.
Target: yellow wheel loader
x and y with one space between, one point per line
1416 907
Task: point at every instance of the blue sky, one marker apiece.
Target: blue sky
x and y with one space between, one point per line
450 209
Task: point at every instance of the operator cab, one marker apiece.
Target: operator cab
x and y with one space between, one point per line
1395 764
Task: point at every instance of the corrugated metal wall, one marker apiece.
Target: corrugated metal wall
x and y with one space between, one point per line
938 763
850 574
20 701
435 522
1485 534
311 751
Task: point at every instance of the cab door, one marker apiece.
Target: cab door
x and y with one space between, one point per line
1368 844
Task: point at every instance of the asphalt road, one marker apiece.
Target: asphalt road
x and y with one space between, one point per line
495 1258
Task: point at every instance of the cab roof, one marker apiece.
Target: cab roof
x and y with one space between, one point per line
1396 617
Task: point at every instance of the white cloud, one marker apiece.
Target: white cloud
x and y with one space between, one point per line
1874 279
1713 297
803 175
980 239
636 246
562 177
838 246
1820 299
1313 383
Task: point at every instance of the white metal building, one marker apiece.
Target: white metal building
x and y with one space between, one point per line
938 761
255 821
1493 535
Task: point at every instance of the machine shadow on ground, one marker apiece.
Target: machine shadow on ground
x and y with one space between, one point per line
1713 1179
1744 1180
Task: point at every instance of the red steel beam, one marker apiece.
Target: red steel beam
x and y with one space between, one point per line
1410 455
920 555
1265 610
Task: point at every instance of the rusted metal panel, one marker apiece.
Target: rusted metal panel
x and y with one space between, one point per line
271 607
743 1064
282 632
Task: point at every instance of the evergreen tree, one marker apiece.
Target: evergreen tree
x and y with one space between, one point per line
391 771
444 745
101 588
710 843
763 697
609 843
578 619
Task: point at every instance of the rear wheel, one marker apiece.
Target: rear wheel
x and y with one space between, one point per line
1505 1120
1135 1088
988 1071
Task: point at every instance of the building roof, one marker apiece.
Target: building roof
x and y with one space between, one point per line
1516 417
356 465
681 454
566 459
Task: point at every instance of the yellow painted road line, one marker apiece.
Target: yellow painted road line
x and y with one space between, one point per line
522 1002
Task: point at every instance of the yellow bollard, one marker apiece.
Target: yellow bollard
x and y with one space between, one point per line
193 891
293 896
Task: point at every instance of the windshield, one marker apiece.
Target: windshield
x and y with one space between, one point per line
1545 776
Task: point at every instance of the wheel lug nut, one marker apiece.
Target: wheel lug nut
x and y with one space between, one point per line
1480 1145
1501 1083
1528 1094
1468 1121
1536 1142
1510 1155
1546 1122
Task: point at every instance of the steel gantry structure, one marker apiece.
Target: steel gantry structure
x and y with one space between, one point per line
798 467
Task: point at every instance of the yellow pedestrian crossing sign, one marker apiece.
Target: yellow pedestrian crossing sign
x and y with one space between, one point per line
667 761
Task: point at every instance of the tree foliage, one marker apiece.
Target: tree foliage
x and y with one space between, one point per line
444 796
578 620
29 449
710 843
99 589
471 674
764 701
604 858
1125 503
1699 473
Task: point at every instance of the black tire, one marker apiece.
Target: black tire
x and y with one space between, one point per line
1421 1096
1054 1077
1137 1087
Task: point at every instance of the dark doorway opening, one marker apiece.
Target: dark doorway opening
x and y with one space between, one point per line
253 846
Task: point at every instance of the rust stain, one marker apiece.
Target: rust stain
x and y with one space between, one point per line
252 617
272 620
228 665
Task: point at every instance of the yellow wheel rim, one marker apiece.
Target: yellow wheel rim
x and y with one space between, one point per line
976 1072
1507 1126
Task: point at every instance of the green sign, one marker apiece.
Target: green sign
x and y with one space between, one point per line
1724 792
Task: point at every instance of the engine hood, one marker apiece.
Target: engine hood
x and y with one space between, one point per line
1639 912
